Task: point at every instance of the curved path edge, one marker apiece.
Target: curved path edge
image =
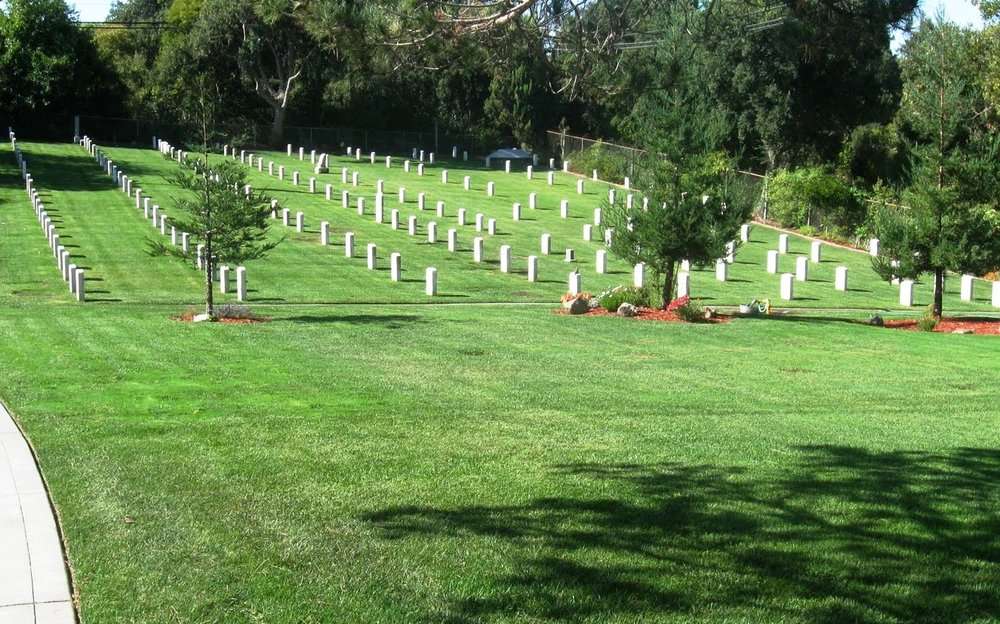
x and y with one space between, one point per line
34 577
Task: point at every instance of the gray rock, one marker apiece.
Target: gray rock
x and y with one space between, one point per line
627 310
579 306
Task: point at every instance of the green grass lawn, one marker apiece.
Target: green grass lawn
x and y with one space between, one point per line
484 463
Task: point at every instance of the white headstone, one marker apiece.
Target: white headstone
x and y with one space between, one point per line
300 221
349 244
598 214
639 275
372 257
532 268
575 283
324 233
395 266
683 284
516 212
816 251
532 201
783 243
772 261
505 257
241 283
411 223
602 261
721 270
329 192
490 189
430 281
452 240
223 279
906 293
968 285
873 247
801 269
579 186
564 209
345 199
546 244
996 295
477 249
432 229
840 278
467 183
745 233
588 232
787 286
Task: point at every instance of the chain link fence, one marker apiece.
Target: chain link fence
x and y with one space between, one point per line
615 162
122 131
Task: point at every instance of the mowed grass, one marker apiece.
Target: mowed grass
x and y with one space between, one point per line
417 464
477 463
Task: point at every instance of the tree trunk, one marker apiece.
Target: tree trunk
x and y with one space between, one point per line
278 125
938 292
668 285
209 294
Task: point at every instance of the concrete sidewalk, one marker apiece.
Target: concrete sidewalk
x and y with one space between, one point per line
34 582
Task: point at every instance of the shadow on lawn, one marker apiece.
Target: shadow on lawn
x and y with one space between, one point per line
839 534
392 321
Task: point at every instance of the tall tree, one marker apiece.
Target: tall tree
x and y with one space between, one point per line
950 219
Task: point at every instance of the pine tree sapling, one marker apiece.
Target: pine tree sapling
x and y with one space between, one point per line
691 215
217 212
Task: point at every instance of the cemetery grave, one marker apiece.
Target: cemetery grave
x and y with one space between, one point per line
326 275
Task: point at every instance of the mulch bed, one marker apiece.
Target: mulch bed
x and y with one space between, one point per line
646 314
949 325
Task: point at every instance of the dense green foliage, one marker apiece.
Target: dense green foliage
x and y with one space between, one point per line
812 197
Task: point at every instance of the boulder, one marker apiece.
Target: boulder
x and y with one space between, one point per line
627 309
579 306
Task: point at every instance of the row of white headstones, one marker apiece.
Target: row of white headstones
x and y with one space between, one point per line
159 219
74 276
321 163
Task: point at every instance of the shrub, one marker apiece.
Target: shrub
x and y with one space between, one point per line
612 299
690 312
928 322
812 197
611 165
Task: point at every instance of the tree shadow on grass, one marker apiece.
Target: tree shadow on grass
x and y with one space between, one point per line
392 321
836 534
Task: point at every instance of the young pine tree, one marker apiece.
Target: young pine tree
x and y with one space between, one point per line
691 215
949 220
218 213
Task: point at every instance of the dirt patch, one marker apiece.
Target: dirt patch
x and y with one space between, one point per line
950 325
